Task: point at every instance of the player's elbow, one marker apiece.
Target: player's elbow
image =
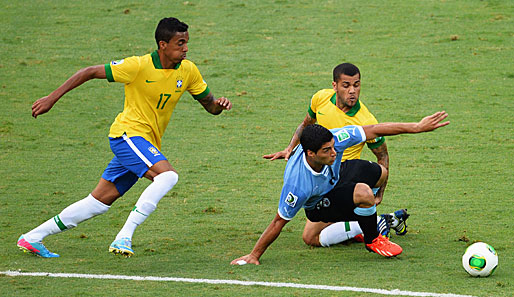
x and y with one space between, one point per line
91 72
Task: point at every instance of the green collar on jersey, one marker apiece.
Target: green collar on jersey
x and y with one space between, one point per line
157 61
353 111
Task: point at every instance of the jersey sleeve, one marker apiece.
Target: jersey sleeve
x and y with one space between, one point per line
291 201
376 142
348 136
124 71
197 87
313 107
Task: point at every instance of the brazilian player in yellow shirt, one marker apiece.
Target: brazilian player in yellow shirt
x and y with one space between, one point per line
334 108
153 85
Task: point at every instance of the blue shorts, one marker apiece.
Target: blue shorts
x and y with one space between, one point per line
132 158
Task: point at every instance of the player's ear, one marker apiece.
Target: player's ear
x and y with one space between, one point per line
163 44
334 85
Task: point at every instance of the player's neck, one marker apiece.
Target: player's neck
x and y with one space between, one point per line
165 62
313 164
343 107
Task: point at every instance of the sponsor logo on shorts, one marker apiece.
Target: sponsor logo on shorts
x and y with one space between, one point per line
154 151
325 202
118 62
291 199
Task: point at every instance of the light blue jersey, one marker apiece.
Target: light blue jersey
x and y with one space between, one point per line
304 187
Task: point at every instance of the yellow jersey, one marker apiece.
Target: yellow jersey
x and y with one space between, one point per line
323 108
151 94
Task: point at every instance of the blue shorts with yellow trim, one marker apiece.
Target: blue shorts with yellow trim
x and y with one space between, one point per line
132 158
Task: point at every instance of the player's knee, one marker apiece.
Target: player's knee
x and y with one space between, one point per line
168 179
363 195
310 239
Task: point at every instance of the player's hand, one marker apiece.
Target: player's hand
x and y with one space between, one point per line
223 102
278 155
432 122
42 105
248 259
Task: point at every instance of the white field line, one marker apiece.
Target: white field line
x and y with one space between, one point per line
229 282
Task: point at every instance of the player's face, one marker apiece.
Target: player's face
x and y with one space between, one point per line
348 89
176 49
326 155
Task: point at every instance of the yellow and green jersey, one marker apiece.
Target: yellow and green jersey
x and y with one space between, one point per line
323 108
151 94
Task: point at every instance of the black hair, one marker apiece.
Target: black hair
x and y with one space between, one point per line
347 69
167 28
314 136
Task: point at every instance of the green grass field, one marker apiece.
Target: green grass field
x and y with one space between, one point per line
269 58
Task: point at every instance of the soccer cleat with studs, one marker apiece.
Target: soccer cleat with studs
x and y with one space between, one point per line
399 221
122 246
382 246
35 248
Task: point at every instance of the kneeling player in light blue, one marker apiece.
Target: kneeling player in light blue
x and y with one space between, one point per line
311 181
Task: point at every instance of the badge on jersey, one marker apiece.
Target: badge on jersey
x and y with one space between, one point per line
342 135
179 84
291 199
118 62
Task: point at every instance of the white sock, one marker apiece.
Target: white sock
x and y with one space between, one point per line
147 203
69 217
339 232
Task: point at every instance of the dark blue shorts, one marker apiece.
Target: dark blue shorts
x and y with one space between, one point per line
132 158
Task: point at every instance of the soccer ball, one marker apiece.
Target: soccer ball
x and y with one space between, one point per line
480 259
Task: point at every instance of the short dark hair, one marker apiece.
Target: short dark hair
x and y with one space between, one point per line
167 28
314 136
345 68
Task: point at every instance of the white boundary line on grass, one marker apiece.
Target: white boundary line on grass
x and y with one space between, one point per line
228 282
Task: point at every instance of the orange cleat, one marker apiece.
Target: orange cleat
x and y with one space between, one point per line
382 246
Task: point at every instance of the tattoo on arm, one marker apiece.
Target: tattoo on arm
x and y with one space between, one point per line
382 159
205 101
208 104
382 155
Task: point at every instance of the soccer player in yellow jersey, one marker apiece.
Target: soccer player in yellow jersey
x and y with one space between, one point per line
338 107
153 85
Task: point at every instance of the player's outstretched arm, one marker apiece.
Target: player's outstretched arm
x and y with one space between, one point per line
215 106
284 154
428 123
44 104
268 236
